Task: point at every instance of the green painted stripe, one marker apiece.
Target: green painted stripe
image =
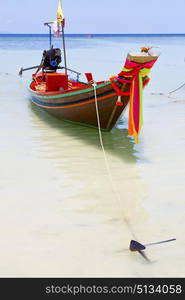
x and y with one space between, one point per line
65 95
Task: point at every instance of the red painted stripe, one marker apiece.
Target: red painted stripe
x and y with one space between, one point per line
79 104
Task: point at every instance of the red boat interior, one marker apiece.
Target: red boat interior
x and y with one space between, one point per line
56 82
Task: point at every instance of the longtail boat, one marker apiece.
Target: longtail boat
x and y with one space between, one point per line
77 101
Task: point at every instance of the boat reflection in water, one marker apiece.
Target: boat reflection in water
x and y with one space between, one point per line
76 153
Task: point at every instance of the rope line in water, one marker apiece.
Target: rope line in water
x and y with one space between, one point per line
177 89
171 92
125 220
107 162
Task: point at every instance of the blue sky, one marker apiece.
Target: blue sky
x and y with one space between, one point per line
95 16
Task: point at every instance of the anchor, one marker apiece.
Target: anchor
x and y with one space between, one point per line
136 246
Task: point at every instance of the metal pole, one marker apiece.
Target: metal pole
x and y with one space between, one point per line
64 48
50 35
47 24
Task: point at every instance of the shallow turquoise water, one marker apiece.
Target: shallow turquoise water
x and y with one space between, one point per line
59 214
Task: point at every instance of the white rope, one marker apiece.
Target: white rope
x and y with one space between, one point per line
107 162
102 145
125 220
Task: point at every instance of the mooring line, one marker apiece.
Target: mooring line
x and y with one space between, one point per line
134 245
107 162
169 93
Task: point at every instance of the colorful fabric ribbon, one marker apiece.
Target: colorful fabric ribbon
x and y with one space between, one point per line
136 72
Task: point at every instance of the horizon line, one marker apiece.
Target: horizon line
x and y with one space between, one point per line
14 33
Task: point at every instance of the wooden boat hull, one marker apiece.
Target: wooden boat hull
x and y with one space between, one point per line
78 105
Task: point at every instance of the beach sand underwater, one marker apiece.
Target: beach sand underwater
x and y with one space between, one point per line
59 215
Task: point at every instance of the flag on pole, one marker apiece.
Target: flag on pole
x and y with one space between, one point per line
60 22
60 16
56 29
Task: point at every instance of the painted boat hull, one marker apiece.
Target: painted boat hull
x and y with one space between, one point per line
79 105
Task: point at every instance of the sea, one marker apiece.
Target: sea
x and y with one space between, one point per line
60 215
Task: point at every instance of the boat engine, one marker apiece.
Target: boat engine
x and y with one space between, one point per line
51 60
